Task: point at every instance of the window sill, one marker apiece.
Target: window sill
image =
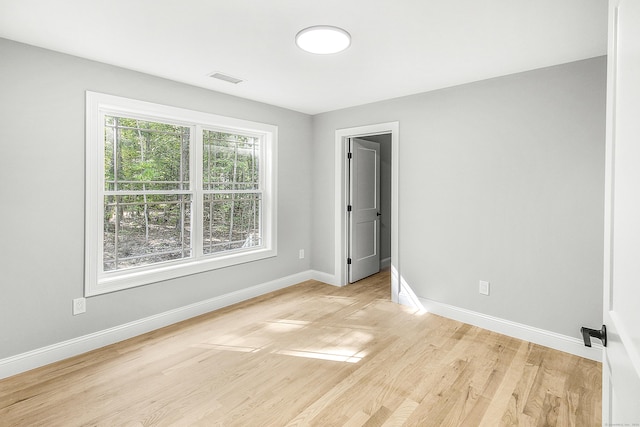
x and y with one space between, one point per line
118 281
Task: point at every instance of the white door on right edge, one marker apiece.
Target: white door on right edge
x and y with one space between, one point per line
364 218
621 362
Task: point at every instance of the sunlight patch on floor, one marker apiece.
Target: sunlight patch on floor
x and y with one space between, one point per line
236 348
292 321
340 300
285 325
324 356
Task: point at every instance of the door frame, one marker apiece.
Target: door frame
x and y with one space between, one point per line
620 339
342 192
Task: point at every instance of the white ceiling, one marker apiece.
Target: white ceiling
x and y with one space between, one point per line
399 47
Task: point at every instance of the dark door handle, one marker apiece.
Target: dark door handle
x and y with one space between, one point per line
588 333
378 214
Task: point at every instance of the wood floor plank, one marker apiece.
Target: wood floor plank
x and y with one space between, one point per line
357 420
311 354
401 414
500 400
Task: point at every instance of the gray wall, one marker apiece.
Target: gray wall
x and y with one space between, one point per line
500 180
42 113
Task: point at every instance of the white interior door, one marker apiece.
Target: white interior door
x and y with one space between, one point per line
364 216
621 362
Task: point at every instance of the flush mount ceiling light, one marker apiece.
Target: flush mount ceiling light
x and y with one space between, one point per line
323 39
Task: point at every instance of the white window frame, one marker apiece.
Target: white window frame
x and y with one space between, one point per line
97 106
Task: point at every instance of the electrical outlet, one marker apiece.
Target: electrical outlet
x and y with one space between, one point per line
484 287
79 306
301 254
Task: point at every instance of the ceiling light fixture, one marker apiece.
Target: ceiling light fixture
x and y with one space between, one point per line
323 39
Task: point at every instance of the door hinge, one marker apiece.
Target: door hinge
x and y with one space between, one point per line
348 261
349 155
349 208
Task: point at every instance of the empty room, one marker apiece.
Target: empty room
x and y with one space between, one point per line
279 213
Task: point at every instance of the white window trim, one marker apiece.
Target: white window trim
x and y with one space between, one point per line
97 104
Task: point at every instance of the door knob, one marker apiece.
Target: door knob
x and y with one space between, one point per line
587 333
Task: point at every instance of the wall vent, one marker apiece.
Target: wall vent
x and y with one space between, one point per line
225 77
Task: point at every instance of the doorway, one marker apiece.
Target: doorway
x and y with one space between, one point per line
364 207
390 129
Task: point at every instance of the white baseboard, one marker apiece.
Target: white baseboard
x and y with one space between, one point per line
332 279
327 278
42 356
539 336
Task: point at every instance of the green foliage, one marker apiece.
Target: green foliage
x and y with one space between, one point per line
145 156
230 162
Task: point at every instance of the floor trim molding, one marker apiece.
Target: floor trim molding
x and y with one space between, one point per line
45 355
327 278
539 336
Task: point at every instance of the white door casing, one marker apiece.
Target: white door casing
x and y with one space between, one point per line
621 311
341 190
364 216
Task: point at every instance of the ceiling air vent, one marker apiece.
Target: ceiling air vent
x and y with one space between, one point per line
225 77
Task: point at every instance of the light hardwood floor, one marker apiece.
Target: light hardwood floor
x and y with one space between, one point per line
312 354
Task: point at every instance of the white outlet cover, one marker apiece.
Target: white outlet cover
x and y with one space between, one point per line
79 306
484 287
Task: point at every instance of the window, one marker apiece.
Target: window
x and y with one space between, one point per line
172 192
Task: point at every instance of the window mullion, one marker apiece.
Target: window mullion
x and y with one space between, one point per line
97 150
116 147
234 186
267 186
196 172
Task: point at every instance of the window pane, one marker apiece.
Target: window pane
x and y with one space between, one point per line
141 230
231 221
143 155
230 161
